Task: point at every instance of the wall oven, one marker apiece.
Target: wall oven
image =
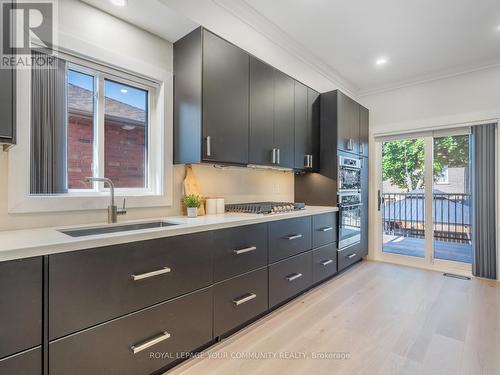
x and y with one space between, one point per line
349 219
349 178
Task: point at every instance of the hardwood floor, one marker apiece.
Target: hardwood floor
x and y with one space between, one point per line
379 319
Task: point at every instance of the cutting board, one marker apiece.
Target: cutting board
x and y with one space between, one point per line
192 186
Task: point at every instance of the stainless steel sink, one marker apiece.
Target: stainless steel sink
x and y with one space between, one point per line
105 229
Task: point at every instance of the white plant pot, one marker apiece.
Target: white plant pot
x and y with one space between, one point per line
192 211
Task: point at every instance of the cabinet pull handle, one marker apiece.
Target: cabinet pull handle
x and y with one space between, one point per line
278 155
351 256
146 275
209 146
362 148
294 237
306 161
147 344
245 250
350 144
273 156
326 262
294 276
246 298
326 229
310 161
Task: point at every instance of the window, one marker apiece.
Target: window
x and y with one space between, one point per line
442 177
107 134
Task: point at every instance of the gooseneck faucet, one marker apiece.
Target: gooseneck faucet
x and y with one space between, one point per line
113 210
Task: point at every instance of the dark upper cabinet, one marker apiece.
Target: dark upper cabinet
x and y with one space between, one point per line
363 130
7 106
306 128
347 123
284 88
261 113
210 100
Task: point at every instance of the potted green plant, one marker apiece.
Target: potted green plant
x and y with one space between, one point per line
192 202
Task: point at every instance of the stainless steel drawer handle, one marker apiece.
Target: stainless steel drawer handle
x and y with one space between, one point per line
209 146
246 298
147 344
294 237
326 262
245 250
294 276
351 256
326 229
151 274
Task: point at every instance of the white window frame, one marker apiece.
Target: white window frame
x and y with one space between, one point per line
160 188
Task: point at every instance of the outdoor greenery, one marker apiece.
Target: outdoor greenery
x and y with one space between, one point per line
403 160
192 201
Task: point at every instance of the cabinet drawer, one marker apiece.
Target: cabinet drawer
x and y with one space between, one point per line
348 256
20 305
324 262
25 363
324 229
289 277
93 286
239 300
239 250
289 237
159 335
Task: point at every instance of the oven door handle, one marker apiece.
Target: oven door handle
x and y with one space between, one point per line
350 205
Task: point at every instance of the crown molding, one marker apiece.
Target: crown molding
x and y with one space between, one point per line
254 19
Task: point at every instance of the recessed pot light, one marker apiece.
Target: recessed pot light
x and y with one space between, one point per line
118 3
381 61
123 91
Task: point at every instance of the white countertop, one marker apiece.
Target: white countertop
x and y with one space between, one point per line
44 241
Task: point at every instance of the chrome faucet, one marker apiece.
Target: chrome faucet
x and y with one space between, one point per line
113 211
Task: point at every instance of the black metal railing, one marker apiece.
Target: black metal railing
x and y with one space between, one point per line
403 214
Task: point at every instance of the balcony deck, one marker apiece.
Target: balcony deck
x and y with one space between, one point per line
458 252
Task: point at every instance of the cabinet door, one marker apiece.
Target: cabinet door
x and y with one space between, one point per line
302 133
261 112
25 363
364 207
284 88
363 131
6 105
225 101
347 123
313 127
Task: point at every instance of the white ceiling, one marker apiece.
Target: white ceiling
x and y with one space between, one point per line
151 15
423 39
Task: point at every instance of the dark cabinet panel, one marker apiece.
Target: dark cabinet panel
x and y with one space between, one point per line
364 207
20 305
289 277
348 256
93 286
177 326
239 250
347 123
25 363
302 130
240 299
324 229
289 237
324 262
363 130
284 88
7 110
313 112
261 112
225 101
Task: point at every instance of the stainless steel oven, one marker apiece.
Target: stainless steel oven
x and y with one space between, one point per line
349 178
349 219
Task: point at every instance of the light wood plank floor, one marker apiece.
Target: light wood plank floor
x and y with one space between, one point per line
389 319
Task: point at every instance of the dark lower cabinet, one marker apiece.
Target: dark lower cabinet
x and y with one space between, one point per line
324 262
289 237
324 229
240 299
289 278
137 344
90 287
25 363
348 256
20 305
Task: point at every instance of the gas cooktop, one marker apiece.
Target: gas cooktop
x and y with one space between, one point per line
265 207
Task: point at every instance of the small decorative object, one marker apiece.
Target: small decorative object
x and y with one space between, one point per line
221 207
192 187
211 205
192 202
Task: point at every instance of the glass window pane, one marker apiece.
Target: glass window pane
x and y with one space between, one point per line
80 135
126 133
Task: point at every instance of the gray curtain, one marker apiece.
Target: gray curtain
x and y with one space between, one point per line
484 201
48 127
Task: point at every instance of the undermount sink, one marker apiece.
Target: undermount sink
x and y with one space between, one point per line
81 232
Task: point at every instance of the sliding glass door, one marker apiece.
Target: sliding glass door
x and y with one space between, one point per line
424 198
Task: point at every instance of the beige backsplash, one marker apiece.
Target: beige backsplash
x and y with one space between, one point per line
233 183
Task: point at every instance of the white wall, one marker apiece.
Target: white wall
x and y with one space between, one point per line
81 22
459 100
